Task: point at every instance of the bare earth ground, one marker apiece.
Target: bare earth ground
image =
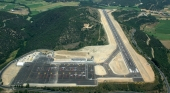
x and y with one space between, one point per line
99 70
67 55
166 43
148 40
10 73
114 80
23 11
152 51
49 85
118 65
141 63
100 53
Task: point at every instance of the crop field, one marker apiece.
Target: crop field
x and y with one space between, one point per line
7 6
118 7
161 31
44 6
36 6
163 27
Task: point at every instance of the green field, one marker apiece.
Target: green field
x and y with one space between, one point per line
161 31
163 27
36 6
39 6
8 6
121 8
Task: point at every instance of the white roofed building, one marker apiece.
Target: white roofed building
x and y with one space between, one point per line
20 63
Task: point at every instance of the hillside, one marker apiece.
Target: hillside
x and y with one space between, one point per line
11 35
62 28
147 4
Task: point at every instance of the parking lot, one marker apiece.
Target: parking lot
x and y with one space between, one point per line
81 74
42 71
39 71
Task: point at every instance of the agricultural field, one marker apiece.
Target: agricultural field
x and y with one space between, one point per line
14 8
7 6
36 7
160 31
44 6
122 8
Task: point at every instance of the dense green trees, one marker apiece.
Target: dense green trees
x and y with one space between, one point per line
54 29
11 35
58 28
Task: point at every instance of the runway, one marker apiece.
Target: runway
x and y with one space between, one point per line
134 73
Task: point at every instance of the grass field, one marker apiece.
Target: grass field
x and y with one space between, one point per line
44 6
36 6
12 55
7 6
121 8
161 31
10 58
163 27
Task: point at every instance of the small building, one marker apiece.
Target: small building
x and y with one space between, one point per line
20 63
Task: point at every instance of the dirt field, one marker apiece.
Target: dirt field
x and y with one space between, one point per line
166 43
100 80
141 63
20 12
148 40
10 73
118 65
99 70
64 55
152 51
71 53
100 53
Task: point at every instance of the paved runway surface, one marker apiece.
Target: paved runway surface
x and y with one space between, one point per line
134 73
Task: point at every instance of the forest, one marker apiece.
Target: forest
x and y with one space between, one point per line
54 29
146 4
11 35
58 28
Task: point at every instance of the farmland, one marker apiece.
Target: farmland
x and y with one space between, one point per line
160 31
36 7
121 8
39 7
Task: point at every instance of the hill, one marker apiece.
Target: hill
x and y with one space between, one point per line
11 35
146 4
62 28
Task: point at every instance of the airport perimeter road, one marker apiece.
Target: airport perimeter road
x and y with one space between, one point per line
126 56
